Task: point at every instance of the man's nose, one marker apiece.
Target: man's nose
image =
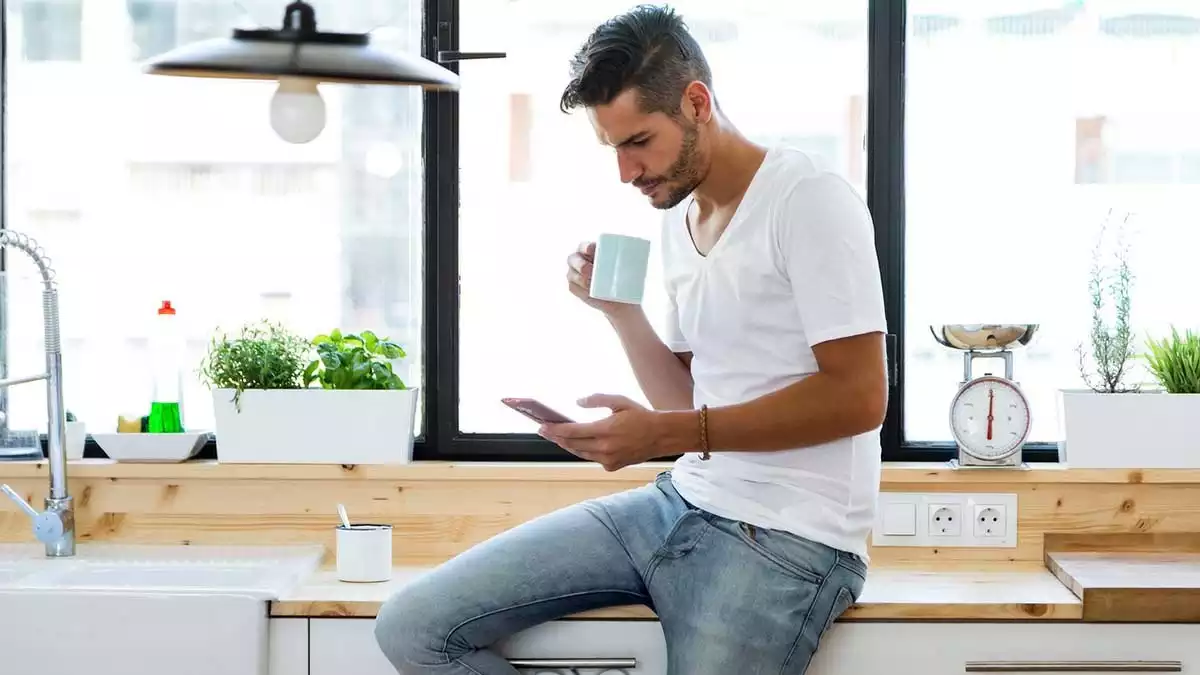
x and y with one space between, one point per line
628 168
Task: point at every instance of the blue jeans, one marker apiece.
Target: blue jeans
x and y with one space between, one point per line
730 598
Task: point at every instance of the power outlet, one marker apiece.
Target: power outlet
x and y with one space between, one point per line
946 520
990 521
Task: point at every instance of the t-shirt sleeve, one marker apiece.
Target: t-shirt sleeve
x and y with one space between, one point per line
674 338
828 248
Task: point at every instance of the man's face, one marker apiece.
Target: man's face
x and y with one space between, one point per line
658 154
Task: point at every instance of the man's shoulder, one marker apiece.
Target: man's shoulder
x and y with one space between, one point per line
797 176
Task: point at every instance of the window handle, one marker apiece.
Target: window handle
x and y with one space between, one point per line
447 56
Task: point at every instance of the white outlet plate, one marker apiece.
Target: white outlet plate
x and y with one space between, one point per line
967 532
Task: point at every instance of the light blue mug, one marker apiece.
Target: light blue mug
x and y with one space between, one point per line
619 268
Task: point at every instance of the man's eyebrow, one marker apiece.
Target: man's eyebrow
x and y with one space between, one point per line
636 137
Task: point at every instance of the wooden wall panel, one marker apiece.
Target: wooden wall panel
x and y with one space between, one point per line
439 513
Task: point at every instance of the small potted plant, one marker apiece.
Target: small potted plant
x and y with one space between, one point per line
245 372
1175 362
1093 417
76 433
334 399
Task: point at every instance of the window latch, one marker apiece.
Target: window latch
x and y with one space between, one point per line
447 56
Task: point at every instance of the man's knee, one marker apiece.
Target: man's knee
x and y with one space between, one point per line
405 629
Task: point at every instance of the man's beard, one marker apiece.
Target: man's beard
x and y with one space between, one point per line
684 174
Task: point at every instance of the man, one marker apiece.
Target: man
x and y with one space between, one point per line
771 385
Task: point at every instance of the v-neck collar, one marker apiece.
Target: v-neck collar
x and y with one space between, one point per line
733 220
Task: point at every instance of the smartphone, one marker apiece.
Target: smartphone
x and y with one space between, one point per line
536 410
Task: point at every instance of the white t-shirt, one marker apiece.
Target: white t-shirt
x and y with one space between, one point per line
796 266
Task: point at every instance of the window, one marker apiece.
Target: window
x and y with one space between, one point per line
51 30
535 182
1022 133
991 144
146 188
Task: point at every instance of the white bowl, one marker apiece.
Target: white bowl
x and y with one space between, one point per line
178 447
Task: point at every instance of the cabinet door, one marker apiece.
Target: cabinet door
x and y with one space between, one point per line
343 646
288 647
931 648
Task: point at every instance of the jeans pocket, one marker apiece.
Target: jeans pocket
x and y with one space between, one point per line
781 550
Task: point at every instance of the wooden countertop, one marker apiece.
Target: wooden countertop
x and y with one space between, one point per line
1132 586
1013 593
893 472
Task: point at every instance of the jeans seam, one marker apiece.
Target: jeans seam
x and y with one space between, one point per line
851 569
817 597
466 665
660 554
446 642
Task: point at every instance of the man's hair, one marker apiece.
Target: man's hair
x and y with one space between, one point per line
649 49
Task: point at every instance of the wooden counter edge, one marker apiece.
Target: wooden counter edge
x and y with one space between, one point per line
317 609
893 472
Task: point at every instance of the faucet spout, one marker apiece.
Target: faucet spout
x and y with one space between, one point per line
55 526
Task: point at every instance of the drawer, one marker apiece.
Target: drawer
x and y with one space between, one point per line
341 646
1029 648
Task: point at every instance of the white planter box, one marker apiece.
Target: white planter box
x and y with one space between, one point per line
315 426
1148 430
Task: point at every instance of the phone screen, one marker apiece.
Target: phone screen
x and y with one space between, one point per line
536 410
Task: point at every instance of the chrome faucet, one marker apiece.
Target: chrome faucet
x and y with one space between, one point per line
55 526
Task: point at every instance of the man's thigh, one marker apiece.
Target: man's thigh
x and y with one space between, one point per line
738 599
581 557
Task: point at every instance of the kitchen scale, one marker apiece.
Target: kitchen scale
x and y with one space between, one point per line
990 417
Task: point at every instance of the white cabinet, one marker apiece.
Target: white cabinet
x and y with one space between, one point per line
341 646
932 648
287 647
345 646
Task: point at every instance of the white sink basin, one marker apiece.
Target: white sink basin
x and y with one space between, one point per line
257 580
142 610
10 573
261 572
131 633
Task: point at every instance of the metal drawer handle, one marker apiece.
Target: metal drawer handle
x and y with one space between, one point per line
575 664
1074 666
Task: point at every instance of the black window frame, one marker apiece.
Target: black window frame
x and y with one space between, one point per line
441 438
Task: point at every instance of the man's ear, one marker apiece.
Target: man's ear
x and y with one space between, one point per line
697 102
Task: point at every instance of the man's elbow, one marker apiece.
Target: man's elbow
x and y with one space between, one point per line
870 405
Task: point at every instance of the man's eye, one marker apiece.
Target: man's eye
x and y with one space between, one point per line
641 142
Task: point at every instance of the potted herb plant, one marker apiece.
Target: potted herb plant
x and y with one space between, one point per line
1118 421
1093 417
334 399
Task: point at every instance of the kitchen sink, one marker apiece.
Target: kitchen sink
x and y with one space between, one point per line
260 580
260 572
138 609
10 573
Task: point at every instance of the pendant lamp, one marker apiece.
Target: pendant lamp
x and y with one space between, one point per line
300 56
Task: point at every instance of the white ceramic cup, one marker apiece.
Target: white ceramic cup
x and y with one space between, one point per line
619 268
364 552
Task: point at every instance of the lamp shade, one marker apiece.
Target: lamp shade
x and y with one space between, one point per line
300 51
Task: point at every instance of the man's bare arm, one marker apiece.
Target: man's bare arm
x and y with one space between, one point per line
664 376
846 397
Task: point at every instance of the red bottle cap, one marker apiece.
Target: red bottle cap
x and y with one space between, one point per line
166 308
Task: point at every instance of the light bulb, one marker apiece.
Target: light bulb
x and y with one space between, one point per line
297 110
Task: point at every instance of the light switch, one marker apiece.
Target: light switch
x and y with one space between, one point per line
900 518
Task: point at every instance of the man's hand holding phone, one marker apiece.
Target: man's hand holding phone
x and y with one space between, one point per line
631 434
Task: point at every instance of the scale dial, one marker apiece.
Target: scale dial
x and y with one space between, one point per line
989 417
